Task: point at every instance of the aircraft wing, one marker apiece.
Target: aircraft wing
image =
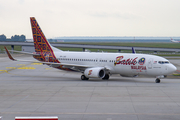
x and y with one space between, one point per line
48 63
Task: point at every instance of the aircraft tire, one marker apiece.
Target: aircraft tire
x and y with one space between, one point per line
83 77
157 80
106 77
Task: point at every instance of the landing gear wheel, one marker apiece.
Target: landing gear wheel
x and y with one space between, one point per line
83 77
106 77
157 80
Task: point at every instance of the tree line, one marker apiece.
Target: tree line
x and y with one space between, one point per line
15 38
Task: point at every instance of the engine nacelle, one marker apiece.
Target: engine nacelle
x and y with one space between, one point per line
97 72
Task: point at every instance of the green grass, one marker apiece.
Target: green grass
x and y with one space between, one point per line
156 45
176 74
18 48
92 50
122 51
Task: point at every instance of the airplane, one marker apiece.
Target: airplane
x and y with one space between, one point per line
96 64
174 41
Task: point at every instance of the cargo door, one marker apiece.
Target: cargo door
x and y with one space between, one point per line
150 62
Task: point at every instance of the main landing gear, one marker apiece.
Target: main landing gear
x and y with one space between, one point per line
106 77
157 80
83 77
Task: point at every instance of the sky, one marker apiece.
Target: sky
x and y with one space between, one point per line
59 18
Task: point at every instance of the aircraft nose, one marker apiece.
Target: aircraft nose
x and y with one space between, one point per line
172 68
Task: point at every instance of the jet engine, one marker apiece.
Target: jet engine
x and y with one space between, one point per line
96 72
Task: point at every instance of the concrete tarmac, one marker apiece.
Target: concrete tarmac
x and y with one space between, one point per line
37 90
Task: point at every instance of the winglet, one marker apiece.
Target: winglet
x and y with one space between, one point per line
133 51
9 55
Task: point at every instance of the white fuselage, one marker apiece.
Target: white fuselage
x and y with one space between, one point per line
119 63
175 41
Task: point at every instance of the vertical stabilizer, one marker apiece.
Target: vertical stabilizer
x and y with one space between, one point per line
41 44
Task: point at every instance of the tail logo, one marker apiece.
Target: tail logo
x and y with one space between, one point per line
41 44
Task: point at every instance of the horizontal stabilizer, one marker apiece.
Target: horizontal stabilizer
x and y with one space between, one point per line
9 55
24 52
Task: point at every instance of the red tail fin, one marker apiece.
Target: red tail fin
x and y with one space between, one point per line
41 44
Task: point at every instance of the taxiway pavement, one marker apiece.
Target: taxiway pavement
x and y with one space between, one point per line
37 90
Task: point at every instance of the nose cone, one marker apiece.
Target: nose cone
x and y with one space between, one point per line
172 68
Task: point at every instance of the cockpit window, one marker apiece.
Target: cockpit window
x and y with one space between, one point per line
163 62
